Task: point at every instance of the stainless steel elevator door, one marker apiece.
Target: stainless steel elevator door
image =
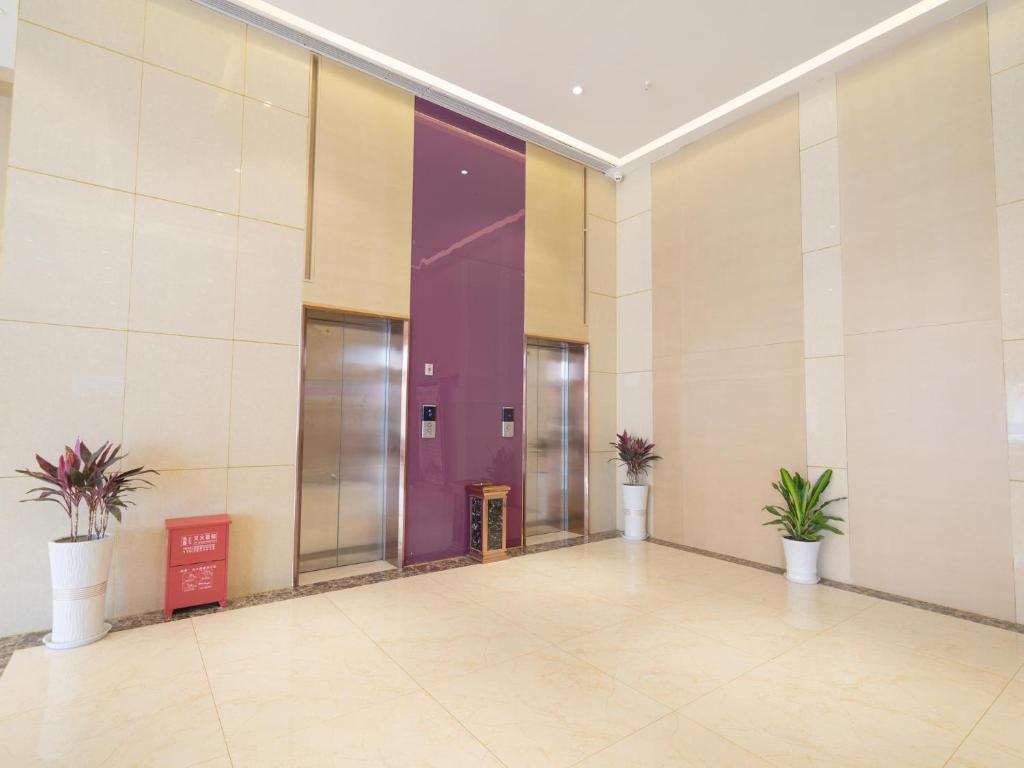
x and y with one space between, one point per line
555 438
345 429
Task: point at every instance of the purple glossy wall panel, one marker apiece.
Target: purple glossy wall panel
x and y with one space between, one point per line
468 240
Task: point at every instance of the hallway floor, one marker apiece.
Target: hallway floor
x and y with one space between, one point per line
609 654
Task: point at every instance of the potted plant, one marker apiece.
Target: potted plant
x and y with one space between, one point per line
637 455
803 519
80 563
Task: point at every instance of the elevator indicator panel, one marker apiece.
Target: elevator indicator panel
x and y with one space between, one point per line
508 421
428 422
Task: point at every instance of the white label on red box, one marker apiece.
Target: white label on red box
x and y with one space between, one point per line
195 543
196 578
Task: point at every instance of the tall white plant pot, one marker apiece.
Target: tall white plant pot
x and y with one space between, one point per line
634 509
801 560
78 572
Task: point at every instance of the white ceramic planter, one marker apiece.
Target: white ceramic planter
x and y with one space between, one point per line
78 572
801 560
634 511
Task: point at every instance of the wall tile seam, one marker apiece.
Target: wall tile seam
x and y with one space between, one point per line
84 182
1005 69
139 332
687 352
226 467
833 137
631 217
598 216
821 249
143 60
601 293
824 357
922 326
633 293
1010 202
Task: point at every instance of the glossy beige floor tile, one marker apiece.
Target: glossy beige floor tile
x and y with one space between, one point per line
873 705
674 742
977 645
170 723
296 686
621 654
411 731
265 629
38 677
663 660
998 740
546 709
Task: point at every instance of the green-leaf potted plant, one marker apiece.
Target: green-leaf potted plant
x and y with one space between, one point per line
637 455
803 520
80 562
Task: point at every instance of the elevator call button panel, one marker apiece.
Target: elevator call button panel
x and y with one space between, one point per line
508 421
428 422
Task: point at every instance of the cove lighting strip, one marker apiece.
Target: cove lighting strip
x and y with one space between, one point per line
269 17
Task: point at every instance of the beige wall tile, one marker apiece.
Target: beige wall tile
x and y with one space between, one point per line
1017 525
834 560
191 141
264 404
635 412
601 261
825 388
195 41
77 111
58 383
603 492
823 303
600 195
177 401
818 121
740 246
634 332
743 417
1005 33
363 197
67 252
276 71
274 165
183 270
1013 363
116 24
666 257
1008 132
268 282
634 254
555 289
633 193
601 319
819 195
1011 268
927 447
918 221
669 429
140 543
261 502
602 405
24 563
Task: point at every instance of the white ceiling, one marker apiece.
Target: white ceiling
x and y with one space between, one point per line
526 56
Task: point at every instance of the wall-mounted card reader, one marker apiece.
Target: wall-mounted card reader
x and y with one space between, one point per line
428 422
508 421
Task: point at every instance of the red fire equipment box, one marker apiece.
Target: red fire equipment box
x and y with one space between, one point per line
197 561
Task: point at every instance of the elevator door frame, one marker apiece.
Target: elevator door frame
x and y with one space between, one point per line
332 314
556 343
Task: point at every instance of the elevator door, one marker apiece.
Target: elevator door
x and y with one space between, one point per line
555 439
347 431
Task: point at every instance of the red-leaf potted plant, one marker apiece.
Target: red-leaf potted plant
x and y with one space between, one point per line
637 455
80 562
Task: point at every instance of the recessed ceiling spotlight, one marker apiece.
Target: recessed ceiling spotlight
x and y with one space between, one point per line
577 90
464 172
